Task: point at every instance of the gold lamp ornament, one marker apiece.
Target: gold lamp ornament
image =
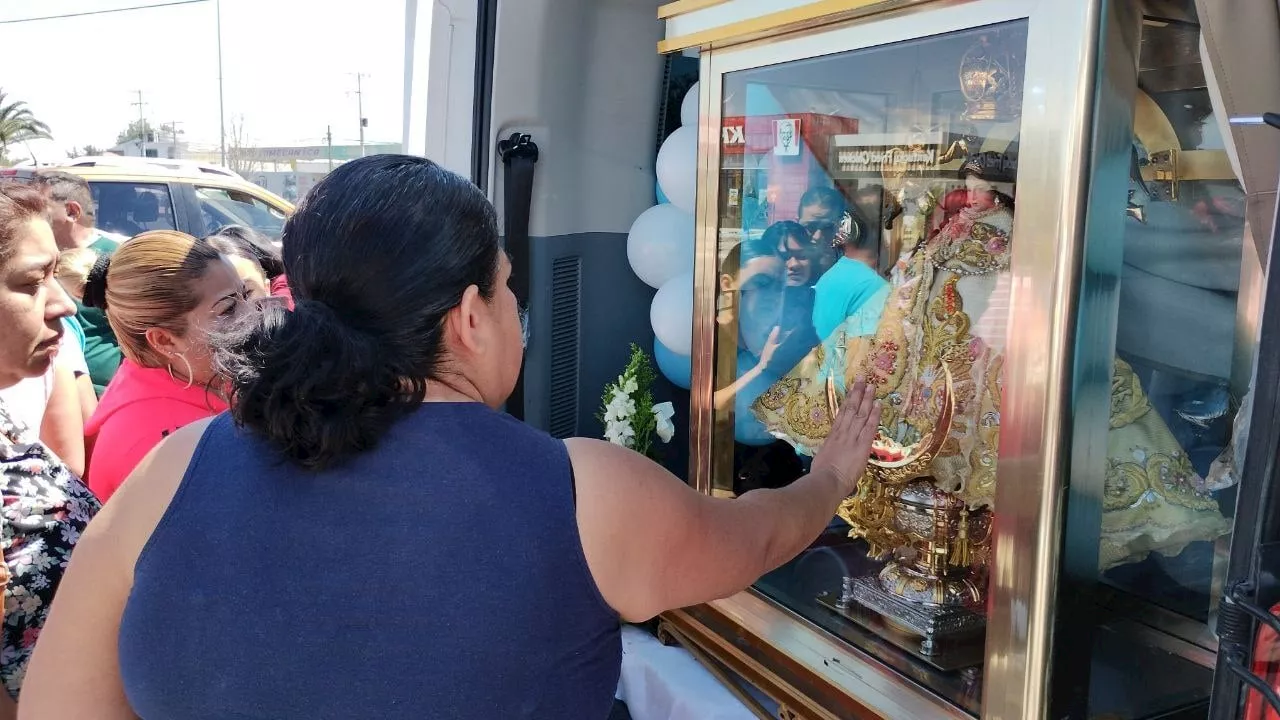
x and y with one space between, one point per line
989 83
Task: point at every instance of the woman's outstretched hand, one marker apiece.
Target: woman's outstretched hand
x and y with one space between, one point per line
847 448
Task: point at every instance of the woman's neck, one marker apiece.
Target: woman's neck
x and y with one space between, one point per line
452 390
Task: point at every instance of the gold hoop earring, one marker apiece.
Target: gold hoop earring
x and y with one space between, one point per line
190 373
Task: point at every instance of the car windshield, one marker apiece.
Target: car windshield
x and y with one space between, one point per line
230 207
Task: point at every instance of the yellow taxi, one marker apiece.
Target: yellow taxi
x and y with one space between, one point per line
134 197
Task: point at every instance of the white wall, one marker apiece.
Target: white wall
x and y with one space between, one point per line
582 77
440 49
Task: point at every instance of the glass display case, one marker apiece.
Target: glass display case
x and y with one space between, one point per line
1019 222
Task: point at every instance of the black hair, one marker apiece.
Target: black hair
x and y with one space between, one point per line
95 283
756 247
821 196
778 233
377 255
250 244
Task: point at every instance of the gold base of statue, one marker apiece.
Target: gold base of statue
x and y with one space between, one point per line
934 585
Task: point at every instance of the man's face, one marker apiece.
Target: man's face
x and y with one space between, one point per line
821 222
799 263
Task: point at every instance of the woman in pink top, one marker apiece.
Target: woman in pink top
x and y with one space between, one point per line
163 292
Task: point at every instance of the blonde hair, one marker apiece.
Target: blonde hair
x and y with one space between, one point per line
73 269
148 283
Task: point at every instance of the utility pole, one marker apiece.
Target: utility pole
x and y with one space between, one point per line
328 136
360 109
222 111
142 125
173 135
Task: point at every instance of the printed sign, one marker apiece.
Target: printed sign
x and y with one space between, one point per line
878 161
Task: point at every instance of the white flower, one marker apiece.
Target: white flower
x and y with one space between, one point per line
629 386
620 433
662 414
620 407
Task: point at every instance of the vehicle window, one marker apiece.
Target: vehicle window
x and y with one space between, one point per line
220 207
131 208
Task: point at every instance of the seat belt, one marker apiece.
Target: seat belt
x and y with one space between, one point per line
519 156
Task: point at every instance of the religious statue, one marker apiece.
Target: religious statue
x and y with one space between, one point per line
934 346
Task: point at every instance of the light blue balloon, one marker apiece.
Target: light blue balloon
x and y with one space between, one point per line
676 368
661 196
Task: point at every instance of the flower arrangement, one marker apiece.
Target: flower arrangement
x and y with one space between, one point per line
625 422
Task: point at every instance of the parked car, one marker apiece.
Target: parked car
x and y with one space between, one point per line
135 197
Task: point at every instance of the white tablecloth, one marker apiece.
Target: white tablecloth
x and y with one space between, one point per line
667 683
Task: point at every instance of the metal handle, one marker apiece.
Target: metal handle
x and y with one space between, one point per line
1272 119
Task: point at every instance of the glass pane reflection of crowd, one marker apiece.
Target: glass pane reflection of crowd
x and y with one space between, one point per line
786 291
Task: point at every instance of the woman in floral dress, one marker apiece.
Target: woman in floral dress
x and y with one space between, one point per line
45 507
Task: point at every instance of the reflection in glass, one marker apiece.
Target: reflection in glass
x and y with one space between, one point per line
1170 463
866 217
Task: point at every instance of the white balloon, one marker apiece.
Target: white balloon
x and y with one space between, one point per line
689 107
660 244
678 168
672 314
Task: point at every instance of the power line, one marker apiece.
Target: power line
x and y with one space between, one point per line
103 12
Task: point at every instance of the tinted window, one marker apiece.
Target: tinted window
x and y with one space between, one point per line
132 208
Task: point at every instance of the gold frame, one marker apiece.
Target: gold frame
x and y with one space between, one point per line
1062 44
811 15
681 7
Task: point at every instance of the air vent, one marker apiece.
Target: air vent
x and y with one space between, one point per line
566 308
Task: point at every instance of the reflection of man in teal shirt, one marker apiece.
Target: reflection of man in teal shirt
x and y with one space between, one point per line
851 281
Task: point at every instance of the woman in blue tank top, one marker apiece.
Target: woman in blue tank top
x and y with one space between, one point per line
329 548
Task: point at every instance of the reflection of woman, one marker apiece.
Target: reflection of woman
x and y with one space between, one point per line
805 260
163 291
751 283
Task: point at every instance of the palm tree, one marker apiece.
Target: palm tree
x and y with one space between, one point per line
18 124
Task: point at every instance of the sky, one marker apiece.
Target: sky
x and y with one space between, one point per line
289 69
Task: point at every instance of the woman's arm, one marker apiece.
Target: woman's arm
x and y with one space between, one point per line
725 396
88 396
75 669
654 544
62 429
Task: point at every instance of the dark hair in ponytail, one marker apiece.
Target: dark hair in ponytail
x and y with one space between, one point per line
378 253
95 283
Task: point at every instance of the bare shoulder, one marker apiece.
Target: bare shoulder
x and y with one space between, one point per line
617 471
136 508
590 454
